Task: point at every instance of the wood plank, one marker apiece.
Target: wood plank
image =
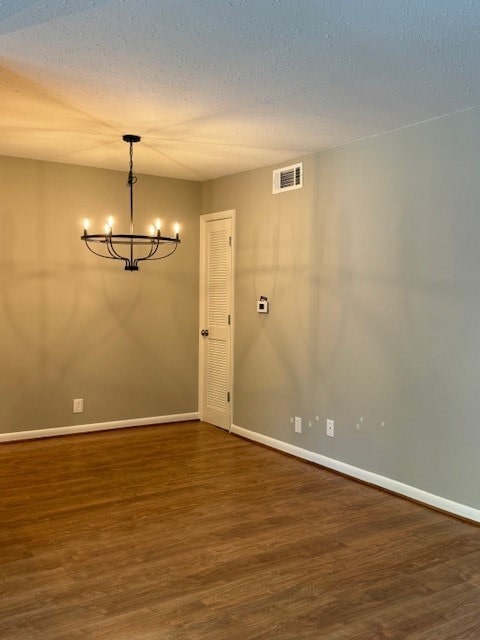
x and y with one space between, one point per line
186 532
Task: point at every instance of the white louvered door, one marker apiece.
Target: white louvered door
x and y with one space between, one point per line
215 320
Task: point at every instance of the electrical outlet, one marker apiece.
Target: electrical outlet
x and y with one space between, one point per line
298 425
330 428
78 405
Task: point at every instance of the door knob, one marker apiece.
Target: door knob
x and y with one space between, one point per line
204 332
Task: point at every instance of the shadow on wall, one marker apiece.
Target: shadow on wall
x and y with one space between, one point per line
56 306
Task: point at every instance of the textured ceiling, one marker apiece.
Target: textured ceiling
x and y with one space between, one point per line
216 86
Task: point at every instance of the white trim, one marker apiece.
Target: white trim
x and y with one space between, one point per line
218 215
395 486
209 217
98 426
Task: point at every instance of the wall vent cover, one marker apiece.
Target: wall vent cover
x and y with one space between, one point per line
288 178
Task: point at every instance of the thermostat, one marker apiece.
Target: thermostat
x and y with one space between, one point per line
262 305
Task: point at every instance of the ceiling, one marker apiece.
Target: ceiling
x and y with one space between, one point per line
221 86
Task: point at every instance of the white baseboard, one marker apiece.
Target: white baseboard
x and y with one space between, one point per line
395 486
98 426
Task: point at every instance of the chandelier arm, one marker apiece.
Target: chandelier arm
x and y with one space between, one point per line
161 257
118 256
113 252
153 250
100 255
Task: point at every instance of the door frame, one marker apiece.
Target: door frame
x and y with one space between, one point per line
204 218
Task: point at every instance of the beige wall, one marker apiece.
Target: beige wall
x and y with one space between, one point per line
74 325
373 273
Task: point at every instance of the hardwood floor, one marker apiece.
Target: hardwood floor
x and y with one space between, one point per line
186 532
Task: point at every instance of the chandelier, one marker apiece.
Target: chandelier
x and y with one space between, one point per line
131 248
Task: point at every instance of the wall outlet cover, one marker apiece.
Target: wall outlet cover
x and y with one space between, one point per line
298 425
330 428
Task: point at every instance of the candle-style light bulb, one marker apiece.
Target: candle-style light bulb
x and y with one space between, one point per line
176 229
110 222
158 224
86 224
108 229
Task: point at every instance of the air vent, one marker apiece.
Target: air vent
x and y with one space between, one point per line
288 178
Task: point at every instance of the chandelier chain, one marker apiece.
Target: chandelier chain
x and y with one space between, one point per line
131 177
